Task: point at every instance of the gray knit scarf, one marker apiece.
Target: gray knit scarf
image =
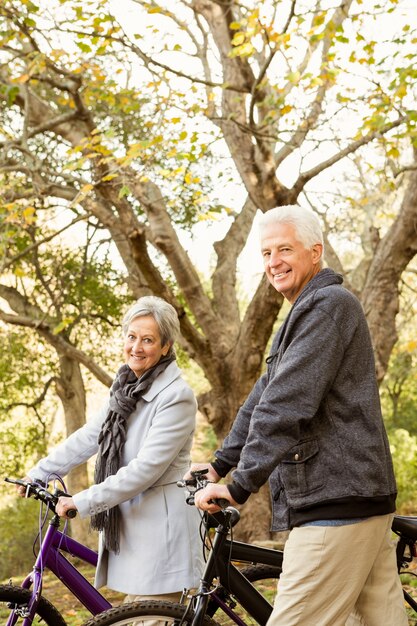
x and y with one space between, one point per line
125 392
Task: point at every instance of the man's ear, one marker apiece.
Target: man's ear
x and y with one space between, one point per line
317 250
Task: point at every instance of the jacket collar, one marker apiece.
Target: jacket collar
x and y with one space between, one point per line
324 278
171 373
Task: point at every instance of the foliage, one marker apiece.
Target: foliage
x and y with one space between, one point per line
399 388
399 391
205 442
404 451
25 418
18 530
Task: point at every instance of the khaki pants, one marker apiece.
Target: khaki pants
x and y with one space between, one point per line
171 597
340 576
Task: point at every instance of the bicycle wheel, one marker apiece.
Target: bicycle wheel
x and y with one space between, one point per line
267 576
146 613
14 598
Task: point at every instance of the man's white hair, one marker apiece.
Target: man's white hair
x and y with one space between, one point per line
306 223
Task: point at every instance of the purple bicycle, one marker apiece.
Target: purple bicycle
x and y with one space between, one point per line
25 605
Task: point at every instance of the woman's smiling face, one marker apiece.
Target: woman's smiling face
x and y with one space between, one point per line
142 347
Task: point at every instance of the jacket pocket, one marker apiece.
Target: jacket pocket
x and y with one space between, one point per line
302 471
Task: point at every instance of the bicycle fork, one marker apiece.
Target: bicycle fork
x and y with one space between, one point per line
35 579
211 571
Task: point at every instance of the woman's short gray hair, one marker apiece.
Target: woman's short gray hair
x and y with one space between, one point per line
306 223
163 313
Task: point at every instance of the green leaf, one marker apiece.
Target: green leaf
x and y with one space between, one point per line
83 46
11 94
67 321
124 191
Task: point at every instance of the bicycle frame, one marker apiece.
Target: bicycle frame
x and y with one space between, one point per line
50 556
219 564
250 599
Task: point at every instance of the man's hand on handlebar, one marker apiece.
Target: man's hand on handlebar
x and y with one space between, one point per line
203 499
211 474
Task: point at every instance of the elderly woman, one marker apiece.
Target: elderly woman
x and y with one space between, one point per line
149 538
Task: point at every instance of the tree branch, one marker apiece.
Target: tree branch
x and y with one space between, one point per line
31 316
352 147
36 244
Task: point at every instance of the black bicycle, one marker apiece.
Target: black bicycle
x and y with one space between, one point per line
227 593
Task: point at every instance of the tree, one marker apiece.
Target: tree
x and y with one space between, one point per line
66 304
137 133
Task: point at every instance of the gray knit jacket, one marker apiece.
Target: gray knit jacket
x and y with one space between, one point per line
312 423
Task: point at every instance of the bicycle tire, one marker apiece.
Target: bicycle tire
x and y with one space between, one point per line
256 573
166 613
46 613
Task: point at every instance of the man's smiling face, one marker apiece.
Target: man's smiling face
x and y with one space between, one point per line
289 266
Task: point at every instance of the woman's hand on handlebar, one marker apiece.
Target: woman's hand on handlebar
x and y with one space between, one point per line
203 499
65 504
211 474
21 490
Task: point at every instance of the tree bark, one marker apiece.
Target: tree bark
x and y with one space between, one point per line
71 391
381 292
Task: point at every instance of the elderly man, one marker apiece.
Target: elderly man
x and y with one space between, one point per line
312 425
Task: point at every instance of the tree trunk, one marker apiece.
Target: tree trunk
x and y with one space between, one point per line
71 391
381 293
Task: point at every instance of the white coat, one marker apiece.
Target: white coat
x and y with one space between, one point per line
160 547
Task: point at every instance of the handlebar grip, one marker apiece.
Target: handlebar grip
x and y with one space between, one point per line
71 513
221 502
15 481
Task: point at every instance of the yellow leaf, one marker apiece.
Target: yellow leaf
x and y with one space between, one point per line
316 82
28 211
294 77
243 51
62 325
286 109
401 91
238 39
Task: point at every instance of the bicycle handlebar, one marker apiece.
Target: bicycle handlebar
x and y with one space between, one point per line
41 493
197 482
